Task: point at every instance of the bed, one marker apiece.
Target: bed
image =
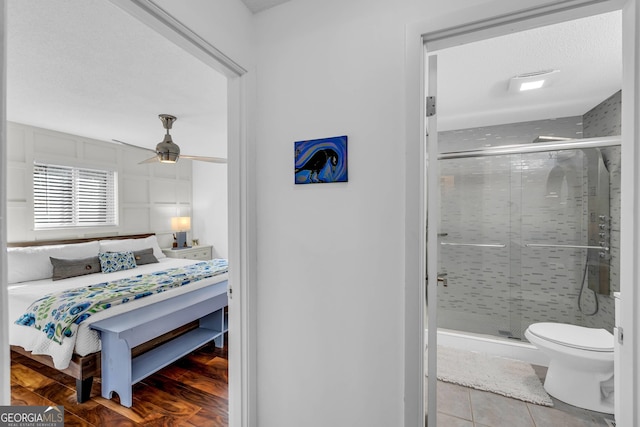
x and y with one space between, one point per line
31 276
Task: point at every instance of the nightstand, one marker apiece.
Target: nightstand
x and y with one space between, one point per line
202 252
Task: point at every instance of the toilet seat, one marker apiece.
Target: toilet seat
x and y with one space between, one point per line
578 337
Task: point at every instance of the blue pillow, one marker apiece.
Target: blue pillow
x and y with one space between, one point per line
116 261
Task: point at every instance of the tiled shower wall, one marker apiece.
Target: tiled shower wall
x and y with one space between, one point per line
502 201
605 120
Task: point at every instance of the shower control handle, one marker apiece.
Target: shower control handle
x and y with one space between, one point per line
442 278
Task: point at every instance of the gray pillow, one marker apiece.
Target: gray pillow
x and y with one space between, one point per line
65 268
145 256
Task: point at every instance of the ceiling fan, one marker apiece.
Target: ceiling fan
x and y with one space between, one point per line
168 151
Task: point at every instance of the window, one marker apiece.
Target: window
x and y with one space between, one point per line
73 197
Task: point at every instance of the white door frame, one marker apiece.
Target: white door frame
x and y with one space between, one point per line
242 324
242 321
5 358
477 23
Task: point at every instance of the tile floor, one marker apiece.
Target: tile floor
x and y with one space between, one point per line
464 407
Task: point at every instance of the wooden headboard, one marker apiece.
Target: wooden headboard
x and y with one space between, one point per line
81 240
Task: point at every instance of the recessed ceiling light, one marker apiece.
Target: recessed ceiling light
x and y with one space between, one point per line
531 81
536 84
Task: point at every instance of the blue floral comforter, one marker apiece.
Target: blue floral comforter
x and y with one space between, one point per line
59 314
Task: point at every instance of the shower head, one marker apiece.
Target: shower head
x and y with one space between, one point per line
551 139
554 182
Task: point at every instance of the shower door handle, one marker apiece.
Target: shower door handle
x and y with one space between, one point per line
543 245
479 245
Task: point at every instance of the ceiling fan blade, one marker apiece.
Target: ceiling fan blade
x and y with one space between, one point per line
132 145
204 159
150 160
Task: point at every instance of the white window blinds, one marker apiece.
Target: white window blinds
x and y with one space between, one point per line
73 197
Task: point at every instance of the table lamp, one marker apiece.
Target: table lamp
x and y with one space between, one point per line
181 224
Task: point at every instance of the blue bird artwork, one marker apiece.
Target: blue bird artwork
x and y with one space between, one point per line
321 160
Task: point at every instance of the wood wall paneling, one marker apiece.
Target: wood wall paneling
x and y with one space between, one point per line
150 194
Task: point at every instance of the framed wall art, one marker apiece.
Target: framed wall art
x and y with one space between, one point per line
322 160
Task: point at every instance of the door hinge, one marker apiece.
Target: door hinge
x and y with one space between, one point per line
431 106
620 335
230 292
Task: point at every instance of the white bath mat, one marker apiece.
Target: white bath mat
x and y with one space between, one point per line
507 377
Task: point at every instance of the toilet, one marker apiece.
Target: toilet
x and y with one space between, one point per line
580 370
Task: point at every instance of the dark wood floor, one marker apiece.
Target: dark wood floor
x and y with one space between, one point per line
193 391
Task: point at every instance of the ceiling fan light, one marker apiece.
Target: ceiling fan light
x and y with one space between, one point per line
168 157
167 150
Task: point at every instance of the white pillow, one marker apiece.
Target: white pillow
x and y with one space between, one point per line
33 263
132 245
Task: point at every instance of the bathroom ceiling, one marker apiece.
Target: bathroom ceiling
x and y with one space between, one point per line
87 68
473 79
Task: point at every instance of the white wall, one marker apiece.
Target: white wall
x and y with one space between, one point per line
148 195
210 207
330 256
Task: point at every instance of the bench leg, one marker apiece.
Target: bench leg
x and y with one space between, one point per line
83 389
215 322
219 341
116 368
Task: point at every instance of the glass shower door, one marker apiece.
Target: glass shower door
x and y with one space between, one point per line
529 237
475 245
570 235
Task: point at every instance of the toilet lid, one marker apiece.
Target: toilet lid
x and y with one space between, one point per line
574 336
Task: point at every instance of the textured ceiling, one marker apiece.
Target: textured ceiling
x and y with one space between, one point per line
473 79
87 68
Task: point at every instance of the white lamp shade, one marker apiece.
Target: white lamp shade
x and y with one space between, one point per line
180 223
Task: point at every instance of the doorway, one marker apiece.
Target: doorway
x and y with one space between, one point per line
156 18
459 34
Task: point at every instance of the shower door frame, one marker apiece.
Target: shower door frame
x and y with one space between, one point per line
474 24
511 150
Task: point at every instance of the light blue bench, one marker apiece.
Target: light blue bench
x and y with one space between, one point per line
120 333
